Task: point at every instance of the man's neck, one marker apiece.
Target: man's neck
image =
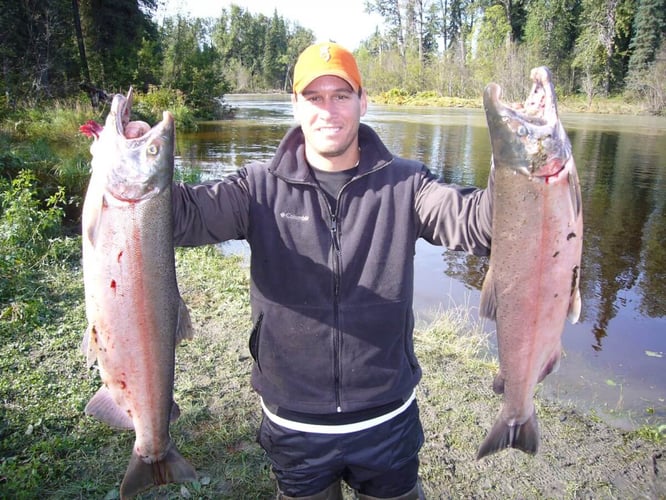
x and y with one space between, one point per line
339 163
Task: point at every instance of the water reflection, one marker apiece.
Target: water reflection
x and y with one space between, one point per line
618 349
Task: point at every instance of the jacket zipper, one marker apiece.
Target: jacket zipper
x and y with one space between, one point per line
337 270
337 341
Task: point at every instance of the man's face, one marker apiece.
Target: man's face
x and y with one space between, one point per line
329 112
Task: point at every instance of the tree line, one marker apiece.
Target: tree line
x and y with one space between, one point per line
57 48
594 47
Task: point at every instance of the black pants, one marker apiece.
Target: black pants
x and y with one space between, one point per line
381 461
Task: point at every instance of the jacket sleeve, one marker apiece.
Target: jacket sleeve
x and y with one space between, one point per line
456 217
210 212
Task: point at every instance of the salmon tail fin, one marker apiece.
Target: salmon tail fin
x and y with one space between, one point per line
524 437
488 304
184 328
140 475
104 408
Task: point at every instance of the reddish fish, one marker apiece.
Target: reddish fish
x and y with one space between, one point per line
134 310
532 282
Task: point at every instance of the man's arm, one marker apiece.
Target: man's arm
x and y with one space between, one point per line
456 217
210 212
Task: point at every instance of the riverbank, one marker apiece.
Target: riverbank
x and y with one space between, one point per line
49 449
571 104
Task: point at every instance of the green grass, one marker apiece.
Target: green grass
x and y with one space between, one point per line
50 449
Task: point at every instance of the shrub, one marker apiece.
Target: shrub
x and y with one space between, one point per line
149 107
27 229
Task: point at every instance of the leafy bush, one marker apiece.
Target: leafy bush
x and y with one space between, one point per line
393 96
27 229
649 84
150 106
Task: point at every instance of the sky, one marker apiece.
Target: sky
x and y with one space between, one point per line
343 21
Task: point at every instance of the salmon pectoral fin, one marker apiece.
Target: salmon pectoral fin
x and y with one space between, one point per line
488 303
551 366
140 475
104 408
94 208
524 437
498 383
175 412
574 192
575 306
184 328
88 346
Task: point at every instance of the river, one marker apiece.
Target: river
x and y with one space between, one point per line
615 357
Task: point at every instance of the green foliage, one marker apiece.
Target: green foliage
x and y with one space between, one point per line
27 229
114 33
493 40
550 31
45 140
192 66
274 64
603 24
652 433
394 96
649 84
649 29
595 47
149 107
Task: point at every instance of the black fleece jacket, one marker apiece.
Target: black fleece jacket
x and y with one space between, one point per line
331 292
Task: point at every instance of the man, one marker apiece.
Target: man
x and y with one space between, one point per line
332 221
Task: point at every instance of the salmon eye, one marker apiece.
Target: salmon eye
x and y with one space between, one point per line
152 149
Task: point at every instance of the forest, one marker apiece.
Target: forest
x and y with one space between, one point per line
51 49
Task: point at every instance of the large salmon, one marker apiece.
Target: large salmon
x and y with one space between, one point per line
134 310
532 282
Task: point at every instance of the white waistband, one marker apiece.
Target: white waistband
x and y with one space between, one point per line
336 429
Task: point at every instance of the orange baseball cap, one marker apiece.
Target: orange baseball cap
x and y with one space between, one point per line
325 59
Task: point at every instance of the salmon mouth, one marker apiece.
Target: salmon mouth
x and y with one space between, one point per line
540 150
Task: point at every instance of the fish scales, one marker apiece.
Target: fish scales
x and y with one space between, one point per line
134 310
532 282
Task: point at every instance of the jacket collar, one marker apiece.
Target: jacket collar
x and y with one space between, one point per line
290 164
